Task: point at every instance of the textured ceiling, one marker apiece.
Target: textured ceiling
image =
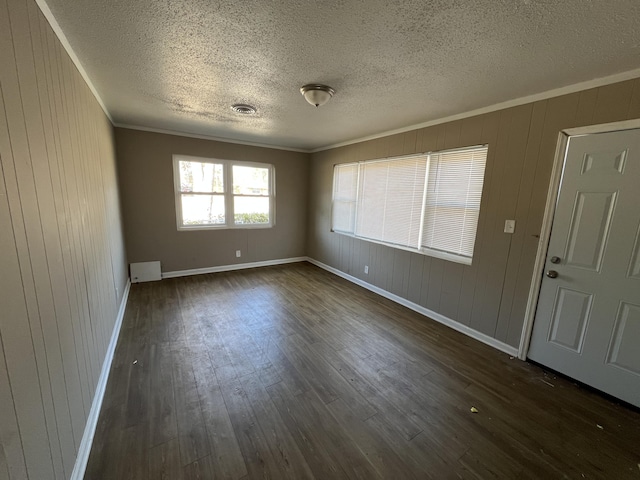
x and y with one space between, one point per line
180 64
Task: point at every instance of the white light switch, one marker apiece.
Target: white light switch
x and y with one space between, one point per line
509 226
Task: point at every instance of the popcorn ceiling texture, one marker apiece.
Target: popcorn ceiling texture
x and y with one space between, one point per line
180 64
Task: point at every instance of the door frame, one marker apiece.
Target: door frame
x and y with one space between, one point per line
547 219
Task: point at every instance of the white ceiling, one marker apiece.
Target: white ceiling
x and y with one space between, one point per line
179 64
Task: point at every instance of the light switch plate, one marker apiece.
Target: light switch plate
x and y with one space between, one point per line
509 226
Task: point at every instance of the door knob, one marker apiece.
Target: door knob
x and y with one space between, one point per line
555 260
552 274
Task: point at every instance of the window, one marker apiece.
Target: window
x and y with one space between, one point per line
428 203
222 194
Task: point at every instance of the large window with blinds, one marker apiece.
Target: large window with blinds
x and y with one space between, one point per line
429 203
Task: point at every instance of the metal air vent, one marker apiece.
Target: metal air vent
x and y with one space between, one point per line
243 109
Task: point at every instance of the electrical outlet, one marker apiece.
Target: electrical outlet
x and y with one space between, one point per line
238 253
366 269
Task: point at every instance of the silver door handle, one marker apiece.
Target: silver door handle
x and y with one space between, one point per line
552 274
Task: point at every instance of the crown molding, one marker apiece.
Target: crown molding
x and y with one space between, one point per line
44 8
577 87
209 137
594 83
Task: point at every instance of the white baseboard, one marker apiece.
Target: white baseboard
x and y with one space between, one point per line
92 422
486 339
228 268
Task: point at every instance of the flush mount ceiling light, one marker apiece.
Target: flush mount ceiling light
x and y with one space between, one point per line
243 109
317 94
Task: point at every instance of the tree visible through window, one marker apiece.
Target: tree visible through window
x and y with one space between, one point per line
202 193
204 199
250 195
428 203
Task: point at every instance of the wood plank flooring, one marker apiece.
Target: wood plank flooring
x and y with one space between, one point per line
290 372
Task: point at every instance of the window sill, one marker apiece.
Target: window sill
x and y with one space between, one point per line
451 257
182 228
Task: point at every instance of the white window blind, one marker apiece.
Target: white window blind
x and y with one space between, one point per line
390 200
429 203
345 185
454 190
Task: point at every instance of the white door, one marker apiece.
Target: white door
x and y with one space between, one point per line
587 322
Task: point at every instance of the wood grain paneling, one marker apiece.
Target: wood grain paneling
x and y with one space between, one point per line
490 295
145 168
62 255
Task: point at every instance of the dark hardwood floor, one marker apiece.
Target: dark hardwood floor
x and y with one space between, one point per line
292 372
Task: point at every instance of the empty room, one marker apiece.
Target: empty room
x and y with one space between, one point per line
319 240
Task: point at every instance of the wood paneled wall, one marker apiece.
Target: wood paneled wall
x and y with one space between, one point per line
62 261
490 295
145 164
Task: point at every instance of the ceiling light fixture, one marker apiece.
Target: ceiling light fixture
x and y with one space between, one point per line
317 94
243 109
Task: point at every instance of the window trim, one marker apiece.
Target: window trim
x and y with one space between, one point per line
227 172
443 255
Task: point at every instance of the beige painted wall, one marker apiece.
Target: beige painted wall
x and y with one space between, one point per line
62 259
490 295
146 180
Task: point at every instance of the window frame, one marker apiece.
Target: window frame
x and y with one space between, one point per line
228 195
441 254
